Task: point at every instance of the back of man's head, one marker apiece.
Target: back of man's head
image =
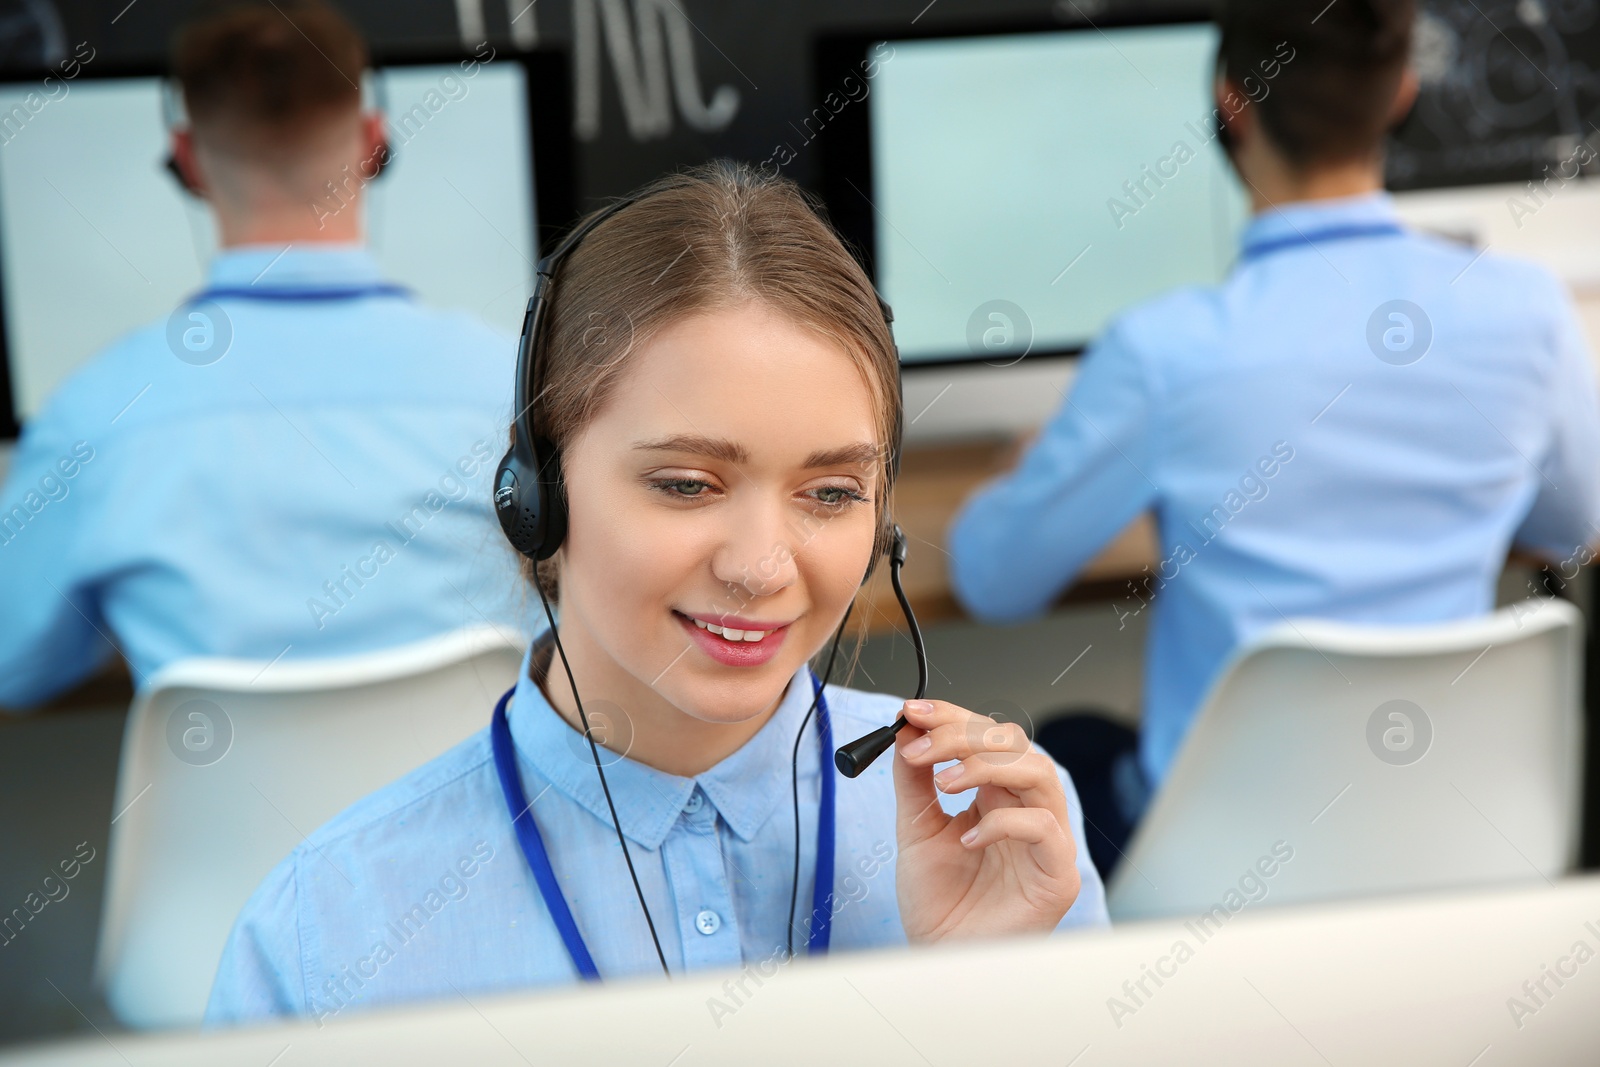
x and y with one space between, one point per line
265 81
1333 101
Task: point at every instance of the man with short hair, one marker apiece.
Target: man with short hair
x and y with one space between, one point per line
298 463
1356 424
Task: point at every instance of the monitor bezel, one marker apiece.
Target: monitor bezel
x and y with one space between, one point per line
547 75
845 146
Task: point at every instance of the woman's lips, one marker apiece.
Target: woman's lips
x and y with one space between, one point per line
739 653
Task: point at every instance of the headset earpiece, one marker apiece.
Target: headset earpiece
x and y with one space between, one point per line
528 500
529 497
896 440
172 167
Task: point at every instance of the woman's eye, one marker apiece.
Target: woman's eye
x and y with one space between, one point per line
683 487
837 496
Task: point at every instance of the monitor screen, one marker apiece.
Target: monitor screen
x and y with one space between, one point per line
97 239
1040 183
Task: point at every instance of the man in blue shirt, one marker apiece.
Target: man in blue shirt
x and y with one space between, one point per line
297 463
1356 424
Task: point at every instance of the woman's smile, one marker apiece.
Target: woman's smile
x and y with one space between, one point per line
734 642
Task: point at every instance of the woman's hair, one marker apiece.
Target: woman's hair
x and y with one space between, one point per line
716 236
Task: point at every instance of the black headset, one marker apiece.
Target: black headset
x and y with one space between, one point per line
530 501
528 495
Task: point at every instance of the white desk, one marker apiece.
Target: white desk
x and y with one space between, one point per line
1413 981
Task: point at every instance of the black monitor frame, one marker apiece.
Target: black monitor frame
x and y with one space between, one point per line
845 143
547 74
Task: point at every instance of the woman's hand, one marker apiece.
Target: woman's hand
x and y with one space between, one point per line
1008 863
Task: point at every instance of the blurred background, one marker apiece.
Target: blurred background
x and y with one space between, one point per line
972 152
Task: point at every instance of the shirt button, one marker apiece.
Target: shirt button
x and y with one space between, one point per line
696 802
708 922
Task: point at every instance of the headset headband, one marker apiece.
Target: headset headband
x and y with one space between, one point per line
529 363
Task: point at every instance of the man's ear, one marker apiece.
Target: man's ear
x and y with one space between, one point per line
1234 109
183 159
375 149
1405 97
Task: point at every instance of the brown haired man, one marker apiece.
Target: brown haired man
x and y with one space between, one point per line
297 462
274 108
1355 424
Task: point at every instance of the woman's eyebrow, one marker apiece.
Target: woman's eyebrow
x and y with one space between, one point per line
862 454
696 444
859 454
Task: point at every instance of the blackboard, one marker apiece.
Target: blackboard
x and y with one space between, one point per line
1509 86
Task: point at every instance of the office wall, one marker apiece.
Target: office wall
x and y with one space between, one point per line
662 82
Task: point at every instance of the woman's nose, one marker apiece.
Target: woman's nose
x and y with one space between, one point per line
757 555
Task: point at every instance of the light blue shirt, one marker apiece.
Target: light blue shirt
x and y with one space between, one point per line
322 489
421 889
1291 470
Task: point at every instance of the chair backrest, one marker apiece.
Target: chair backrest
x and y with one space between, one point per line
228 764
1335 761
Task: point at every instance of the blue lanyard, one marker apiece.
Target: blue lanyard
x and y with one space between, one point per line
505 764
1332 233
302 294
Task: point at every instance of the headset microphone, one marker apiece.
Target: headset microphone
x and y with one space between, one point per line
858 755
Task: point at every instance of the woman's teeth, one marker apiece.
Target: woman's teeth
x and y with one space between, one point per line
732 635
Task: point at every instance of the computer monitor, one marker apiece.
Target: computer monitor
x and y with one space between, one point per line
1013 190
97 239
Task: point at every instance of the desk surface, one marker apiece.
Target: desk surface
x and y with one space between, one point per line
934 481
1408 981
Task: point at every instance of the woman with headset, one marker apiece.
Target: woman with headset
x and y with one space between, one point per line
704 447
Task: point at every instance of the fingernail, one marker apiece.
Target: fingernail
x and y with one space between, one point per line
949 776
970 836
921 707
917 747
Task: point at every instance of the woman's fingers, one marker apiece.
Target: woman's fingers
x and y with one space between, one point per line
1020 798
990 753
916 800
1031 777
1049 843
955 733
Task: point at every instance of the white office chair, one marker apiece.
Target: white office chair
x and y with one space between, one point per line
1387 759
227 765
